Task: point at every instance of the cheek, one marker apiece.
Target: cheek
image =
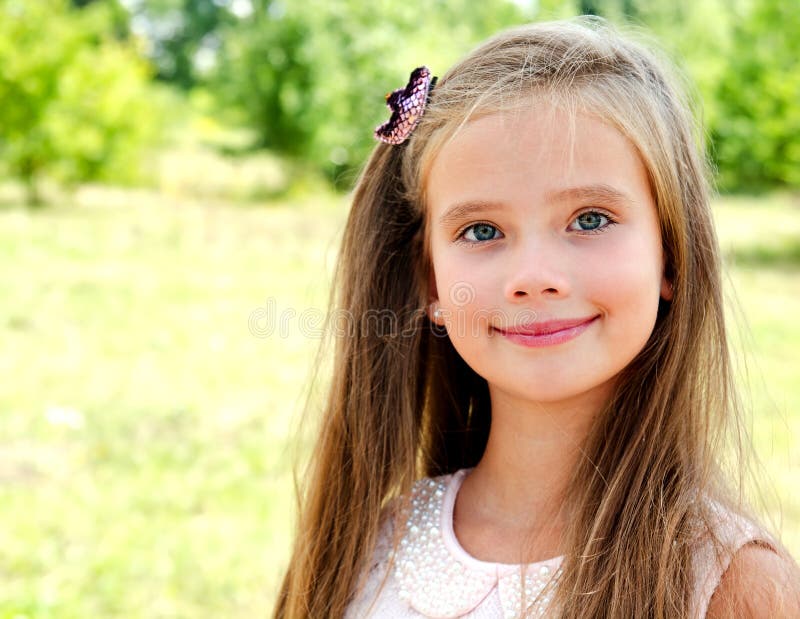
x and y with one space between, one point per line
629 282
462 282
464 293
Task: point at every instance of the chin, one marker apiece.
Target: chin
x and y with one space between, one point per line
548 392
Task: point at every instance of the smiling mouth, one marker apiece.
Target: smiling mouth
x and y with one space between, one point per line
547 333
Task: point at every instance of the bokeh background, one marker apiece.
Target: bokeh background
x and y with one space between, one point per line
173 185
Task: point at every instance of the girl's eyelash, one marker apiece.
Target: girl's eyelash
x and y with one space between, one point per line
610 222
460 235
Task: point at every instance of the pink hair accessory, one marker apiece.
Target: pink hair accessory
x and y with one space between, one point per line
407 105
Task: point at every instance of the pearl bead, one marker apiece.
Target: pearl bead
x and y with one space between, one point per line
437 584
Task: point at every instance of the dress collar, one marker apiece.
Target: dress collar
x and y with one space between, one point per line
439 579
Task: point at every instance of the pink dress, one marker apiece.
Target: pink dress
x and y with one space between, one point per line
433 577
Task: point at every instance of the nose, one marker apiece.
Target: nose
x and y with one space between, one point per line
537 269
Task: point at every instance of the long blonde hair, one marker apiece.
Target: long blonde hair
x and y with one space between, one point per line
404 405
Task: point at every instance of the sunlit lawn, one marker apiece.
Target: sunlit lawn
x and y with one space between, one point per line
143 461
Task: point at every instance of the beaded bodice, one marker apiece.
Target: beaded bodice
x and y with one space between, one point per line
434 577
430 576
439 579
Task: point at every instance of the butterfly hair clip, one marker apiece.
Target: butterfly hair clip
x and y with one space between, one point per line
407 105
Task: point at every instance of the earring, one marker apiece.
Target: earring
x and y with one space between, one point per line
437 314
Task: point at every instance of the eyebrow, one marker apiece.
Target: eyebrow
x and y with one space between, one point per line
598 192
463 210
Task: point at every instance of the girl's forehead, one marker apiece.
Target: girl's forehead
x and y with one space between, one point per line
557 122
531 151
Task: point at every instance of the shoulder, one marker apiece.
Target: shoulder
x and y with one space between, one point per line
740 569
759 582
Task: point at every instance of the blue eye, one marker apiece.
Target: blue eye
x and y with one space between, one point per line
590 221
477 233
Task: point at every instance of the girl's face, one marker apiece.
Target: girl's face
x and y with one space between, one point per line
546 252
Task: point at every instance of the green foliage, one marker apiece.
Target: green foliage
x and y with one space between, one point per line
74 103
309 77
744 58
270 73
179 30
305 77
756 128
77 102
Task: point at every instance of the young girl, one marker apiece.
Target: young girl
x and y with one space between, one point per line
529 418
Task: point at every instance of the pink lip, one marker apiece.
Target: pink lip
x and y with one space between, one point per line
546 333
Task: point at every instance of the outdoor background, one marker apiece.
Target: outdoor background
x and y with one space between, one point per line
173 185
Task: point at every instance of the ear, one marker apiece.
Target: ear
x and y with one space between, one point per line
433 298
666 289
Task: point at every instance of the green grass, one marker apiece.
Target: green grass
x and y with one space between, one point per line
143 462
759 238
164 492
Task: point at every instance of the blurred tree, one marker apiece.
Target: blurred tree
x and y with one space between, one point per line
756 125
630 9
589 7
119 16
181 33
268 71
303 75
73 103
608 8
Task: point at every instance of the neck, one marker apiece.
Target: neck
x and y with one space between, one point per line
521 481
